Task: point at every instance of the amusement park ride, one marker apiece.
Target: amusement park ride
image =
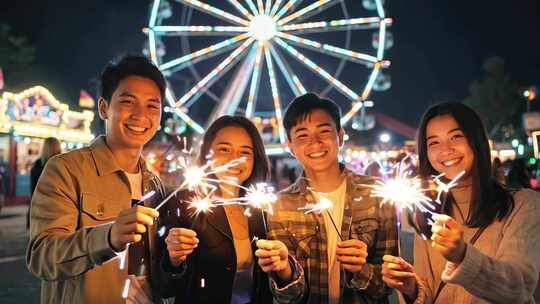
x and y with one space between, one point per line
305 42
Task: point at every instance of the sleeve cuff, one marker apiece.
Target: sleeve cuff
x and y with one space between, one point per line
99 248
465 272
173 272
292 291
360 280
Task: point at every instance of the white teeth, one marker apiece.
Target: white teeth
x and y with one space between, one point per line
449 163
136 129
317 154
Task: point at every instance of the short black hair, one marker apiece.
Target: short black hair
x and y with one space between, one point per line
303 105
130 66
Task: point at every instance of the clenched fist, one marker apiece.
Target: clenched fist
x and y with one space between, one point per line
130 225
274 257
352 254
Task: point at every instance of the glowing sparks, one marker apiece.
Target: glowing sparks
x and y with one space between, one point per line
444 188
201 205
319 207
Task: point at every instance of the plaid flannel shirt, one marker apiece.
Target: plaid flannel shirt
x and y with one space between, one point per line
304 235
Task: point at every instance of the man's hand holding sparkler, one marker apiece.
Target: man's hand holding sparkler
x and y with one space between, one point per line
352 254
180 243
447 238
399 274
274 257
130 225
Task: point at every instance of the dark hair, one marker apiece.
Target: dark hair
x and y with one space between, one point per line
303 105
130 66
490 200
261 165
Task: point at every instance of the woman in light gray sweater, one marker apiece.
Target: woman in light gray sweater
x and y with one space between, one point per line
485 245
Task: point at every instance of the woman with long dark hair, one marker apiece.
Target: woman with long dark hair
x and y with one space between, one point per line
484 246
210 257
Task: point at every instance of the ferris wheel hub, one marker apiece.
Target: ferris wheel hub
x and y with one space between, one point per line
262 27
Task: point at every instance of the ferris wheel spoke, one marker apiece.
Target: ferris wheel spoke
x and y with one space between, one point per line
255 82
331 50
216 12
252 7
275 94
215 74
319 71
357 105
202 54
320 5
291 78
260 7
171 100
288 6
268 7
168 30
241 8
316 11
275 7
335 25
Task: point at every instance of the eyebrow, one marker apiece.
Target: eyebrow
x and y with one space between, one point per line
325 124
127 94
228 144
453 130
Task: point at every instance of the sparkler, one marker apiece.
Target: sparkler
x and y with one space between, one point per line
323 204
198 178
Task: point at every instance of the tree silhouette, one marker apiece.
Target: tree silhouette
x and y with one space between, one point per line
497 101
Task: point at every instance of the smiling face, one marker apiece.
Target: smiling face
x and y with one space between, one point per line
231 143
448 149
315 142
133 114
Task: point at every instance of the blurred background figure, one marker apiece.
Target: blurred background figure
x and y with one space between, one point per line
519 177
498 170
51 147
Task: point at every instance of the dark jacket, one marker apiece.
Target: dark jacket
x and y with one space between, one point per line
214 260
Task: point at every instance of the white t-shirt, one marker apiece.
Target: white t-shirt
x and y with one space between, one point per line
337 197
135 183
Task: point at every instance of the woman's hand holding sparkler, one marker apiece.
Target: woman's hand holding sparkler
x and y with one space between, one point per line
180 243
130 225
399 274
274 257
447 238
352 254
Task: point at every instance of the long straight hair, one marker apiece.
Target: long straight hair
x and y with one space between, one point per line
489 200
261 165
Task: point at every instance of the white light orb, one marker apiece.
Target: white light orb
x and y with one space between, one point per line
262 27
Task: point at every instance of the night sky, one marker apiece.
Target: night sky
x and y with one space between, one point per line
439 45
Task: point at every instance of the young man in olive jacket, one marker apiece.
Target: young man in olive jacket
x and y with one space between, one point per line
84 210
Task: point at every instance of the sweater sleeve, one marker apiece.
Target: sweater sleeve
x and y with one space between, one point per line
511 275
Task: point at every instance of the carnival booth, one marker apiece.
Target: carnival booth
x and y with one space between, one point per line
28 117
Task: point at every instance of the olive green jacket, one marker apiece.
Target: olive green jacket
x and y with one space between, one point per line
78 196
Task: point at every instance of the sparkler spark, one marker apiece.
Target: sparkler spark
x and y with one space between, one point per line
445 188
201 205
319 207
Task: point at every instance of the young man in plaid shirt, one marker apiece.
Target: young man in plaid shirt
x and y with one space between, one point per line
336 270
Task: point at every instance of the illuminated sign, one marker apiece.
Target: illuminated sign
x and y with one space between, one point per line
36 112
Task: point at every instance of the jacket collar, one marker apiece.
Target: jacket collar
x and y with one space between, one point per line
301 185
105 161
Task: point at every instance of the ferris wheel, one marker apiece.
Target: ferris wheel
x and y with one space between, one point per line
195 44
